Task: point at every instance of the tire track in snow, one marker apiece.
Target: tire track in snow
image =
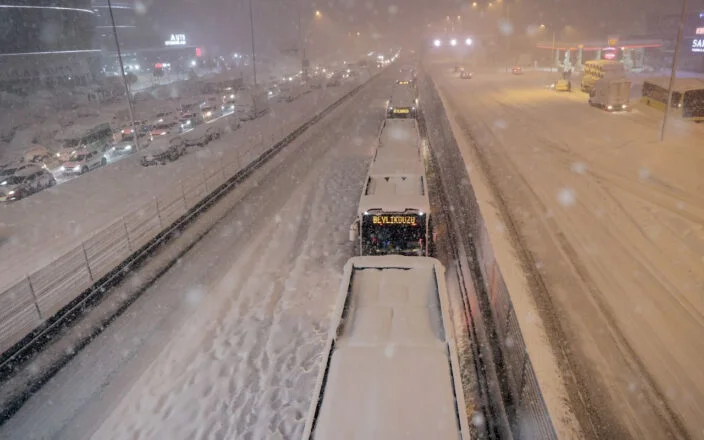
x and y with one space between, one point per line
245 366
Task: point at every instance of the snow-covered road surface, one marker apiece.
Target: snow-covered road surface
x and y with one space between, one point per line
39 229
614 221
227 343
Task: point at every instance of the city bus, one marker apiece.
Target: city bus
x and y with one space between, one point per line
393 216
390 365
89 137
687 96
402 103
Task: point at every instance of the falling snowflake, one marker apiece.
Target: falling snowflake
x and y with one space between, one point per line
579 167
478 419
566 197
643 173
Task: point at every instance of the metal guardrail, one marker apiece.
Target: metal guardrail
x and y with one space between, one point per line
33 307
514 394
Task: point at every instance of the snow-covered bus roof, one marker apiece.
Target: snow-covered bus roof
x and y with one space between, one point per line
399 132
392 369
393 203
403 95
397 161
680 85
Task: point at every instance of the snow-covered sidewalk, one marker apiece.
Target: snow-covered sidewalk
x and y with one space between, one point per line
615 220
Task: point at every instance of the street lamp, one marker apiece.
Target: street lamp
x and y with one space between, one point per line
453 42
437 43
468 41
318 14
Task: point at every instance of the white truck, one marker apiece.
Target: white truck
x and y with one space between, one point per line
611 94
250 104
390 368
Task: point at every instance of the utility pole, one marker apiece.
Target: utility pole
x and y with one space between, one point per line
554 48
254 57
673 73
302 45
130 105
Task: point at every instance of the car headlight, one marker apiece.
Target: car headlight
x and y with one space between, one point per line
62 168
4 182
77 168
11 193
112 149
128 148
58 154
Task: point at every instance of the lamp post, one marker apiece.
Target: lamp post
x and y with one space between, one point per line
130 104
673 73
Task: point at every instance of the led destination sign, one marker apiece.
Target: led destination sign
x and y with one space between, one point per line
392 220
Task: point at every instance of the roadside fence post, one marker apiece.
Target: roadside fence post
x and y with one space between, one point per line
34 297
127 234
158 212
85 255
183 195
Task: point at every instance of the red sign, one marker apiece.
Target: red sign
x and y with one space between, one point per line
199 52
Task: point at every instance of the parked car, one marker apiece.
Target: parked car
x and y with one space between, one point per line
36 154
189 121
83 162
466 75
163 150
25 182
122 148
517 70
12 168
162 128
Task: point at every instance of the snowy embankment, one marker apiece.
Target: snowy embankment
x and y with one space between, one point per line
612 220
227 343
44 227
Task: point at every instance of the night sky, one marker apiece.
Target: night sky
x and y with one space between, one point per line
224 24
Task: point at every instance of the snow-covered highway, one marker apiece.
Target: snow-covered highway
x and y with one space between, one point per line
226 343
611 220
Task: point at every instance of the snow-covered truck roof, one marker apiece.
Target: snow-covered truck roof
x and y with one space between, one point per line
392 369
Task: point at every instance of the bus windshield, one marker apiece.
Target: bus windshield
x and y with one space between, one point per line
403 234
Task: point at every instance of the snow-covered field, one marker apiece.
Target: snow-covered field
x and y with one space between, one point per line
37 230
227 343
614 221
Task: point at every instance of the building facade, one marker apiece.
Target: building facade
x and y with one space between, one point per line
44 43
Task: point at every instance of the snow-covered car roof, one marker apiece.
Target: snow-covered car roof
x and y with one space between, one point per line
161 145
